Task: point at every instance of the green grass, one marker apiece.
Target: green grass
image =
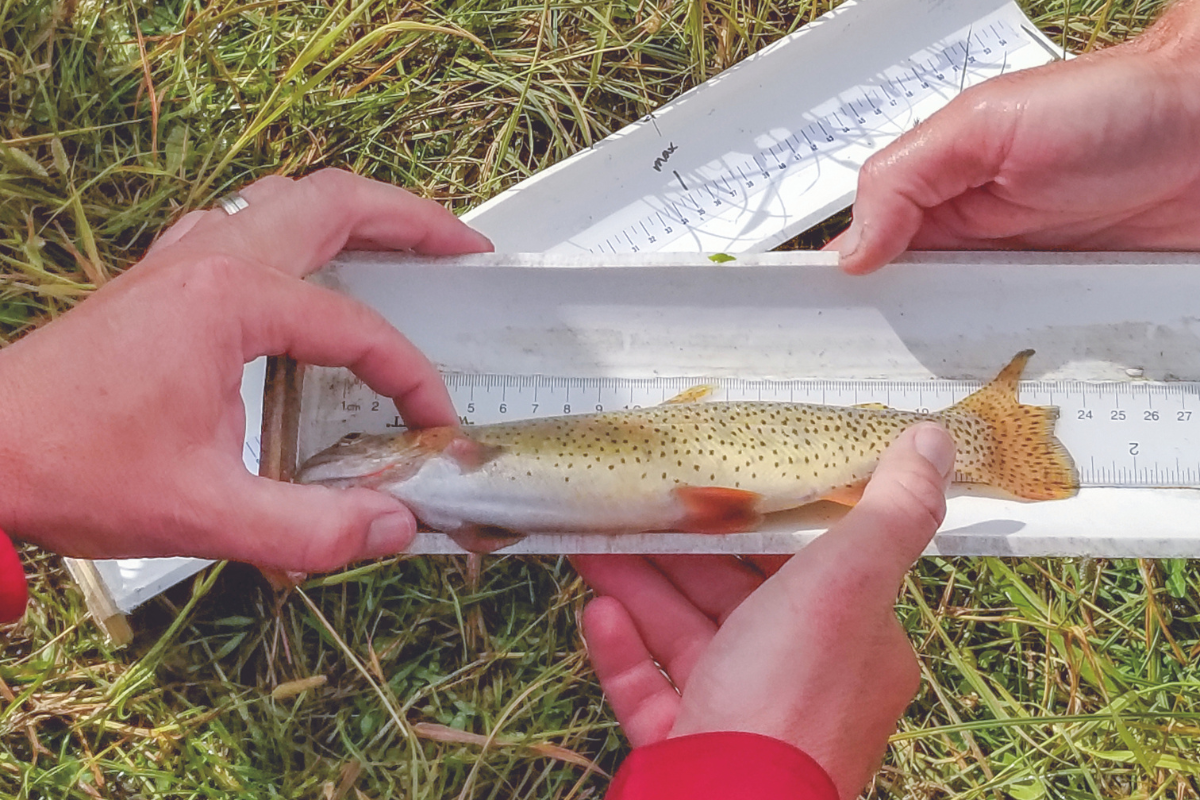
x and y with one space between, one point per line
1043 678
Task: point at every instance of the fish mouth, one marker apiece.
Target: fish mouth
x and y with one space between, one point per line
331 471
337 469
357 460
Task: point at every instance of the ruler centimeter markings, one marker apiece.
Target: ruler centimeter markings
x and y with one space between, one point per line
1135 434
865 115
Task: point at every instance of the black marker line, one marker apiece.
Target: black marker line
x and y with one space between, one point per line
675 172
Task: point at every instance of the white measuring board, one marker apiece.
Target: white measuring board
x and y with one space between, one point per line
1117 340
773 145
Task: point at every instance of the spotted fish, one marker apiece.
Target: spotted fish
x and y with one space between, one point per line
687 465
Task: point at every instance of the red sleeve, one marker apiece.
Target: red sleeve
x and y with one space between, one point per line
14 593
720 766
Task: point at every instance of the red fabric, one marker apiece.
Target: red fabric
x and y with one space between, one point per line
14 592
720 766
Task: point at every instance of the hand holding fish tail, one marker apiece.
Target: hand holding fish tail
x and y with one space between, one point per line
807 651
121 424
1098 153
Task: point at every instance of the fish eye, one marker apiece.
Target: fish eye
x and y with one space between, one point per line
350 437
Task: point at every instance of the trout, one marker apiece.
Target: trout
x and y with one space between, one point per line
686 465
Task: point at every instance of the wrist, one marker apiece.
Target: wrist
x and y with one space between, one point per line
13 437
721 765
1176 34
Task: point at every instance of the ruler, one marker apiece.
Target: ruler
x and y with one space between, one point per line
721 196
1121 434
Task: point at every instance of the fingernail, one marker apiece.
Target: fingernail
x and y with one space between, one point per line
389 534
851 239
937 447
484 244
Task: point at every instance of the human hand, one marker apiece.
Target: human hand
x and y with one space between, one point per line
806 650
121 424
1098 153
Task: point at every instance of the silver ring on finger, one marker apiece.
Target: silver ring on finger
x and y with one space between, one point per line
232 203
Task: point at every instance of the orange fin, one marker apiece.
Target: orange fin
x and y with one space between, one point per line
693 394
484 538
716 509
1021 456
847 495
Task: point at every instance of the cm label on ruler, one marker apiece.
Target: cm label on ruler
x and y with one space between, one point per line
1135 434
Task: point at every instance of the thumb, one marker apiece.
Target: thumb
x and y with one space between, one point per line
314 528
958 149
901 509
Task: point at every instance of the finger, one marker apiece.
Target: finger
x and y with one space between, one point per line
177 231
260 191
716 585
674 631
319 326
308 528
768 565
297 226
642 698
901 509
986 219
959 148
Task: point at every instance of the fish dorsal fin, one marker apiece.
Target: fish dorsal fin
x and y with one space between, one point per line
693 394
1019 453
873 406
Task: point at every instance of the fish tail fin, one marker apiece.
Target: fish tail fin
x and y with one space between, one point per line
1010 446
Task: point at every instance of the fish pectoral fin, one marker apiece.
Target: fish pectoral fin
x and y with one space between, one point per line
847 495
484 538
716 509
873 406
692 394
469 454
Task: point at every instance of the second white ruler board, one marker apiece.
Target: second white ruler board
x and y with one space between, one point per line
773 145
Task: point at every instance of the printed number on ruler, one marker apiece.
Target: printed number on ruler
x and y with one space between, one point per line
872 114
1120 434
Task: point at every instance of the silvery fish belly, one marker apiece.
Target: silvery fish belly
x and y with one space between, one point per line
687 465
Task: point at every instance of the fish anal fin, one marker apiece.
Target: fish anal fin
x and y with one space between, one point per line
484 538
716 509
692 394
873 406
847 495
1017 452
